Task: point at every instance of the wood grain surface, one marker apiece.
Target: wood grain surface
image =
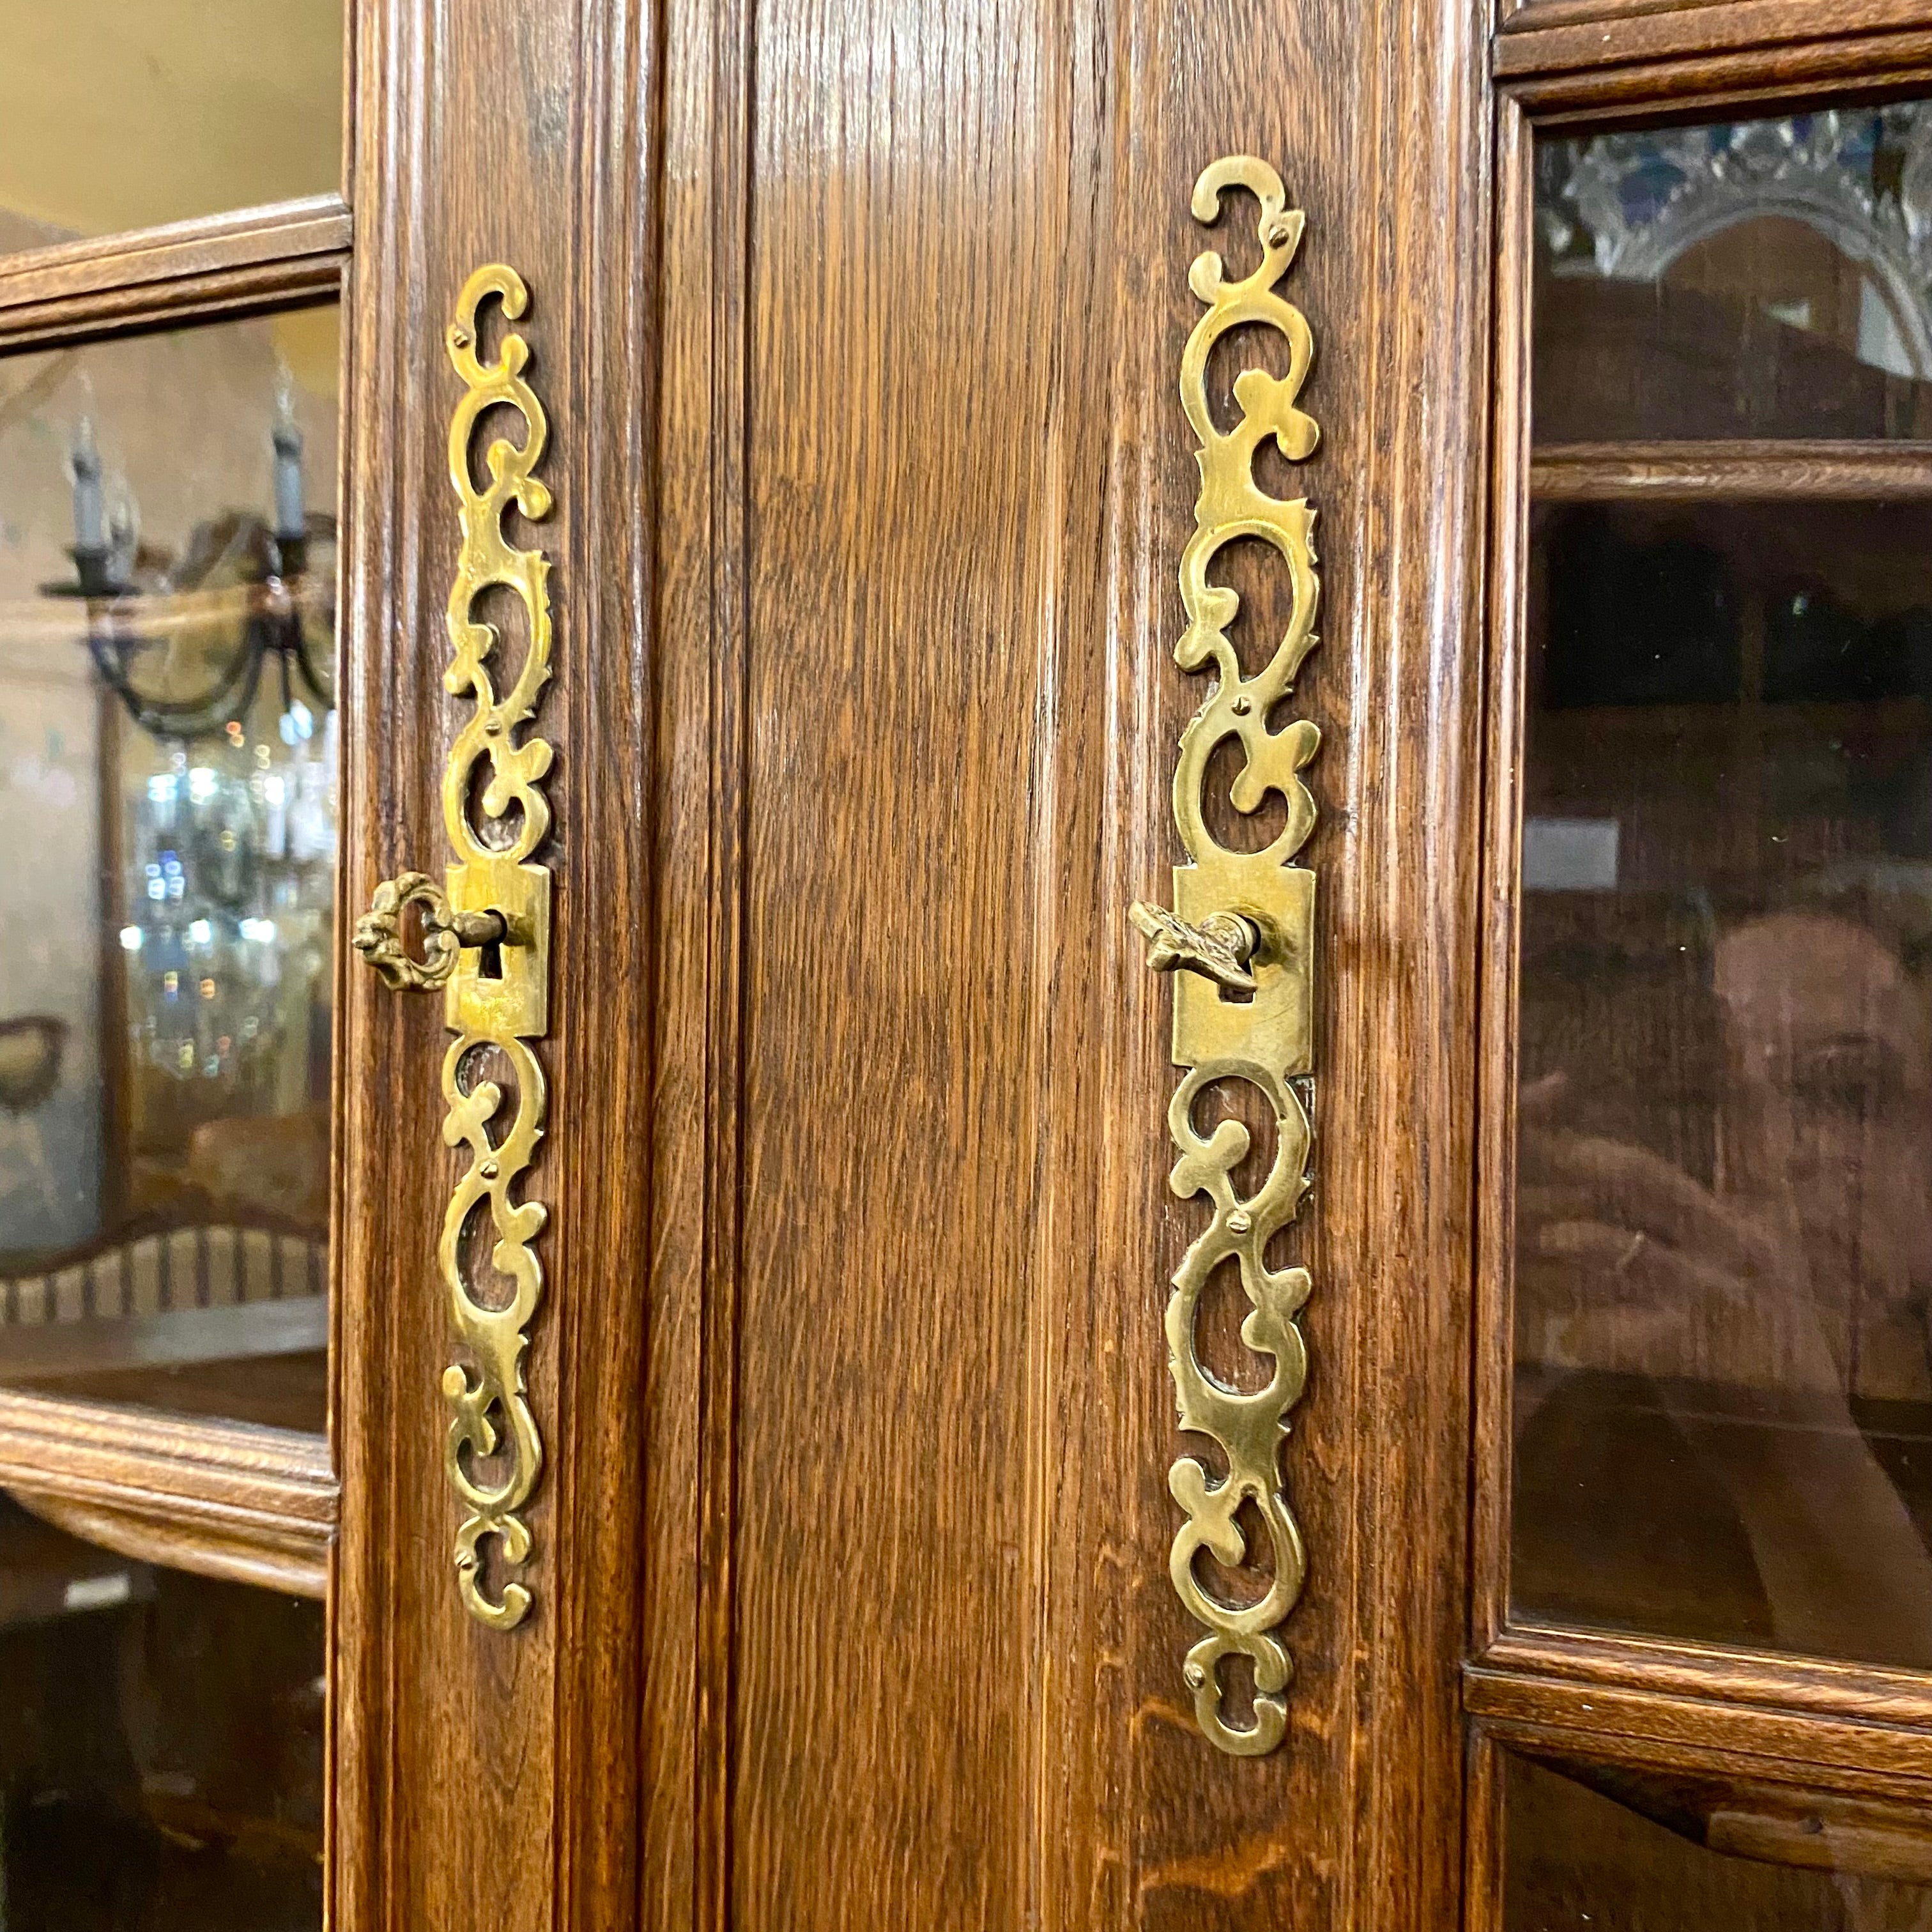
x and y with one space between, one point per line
925 293
1739 472
1856 1693
1643 1729
1730 57
1541 35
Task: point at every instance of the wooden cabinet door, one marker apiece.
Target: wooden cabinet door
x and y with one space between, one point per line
172 265
859 329
680 1425
1701 1610
927 300
807 1388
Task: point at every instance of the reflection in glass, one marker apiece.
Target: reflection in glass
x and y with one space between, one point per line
168 776
1654 1852
1723 1251
161 1753
1761 278
122 116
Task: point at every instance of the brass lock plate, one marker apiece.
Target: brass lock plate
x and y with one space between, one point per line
1274 1025
514 1003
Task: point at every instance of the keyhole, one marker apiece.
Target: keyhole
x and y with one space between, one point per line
489 960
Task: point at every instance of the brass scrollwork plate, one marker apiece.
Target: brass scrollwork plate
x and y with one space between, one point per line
494 830
1241 1012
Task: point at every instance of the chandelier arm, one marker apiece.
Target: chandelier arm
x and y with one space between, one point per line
284 676
183 718
323 693
241 707
202 718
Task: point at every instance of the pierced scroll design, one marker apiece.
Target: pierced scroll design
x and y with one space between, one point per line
1222 1031
489 1411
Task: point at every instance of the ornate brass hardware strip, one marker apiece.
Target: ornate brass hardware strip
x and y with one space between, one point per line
1239 944
486 942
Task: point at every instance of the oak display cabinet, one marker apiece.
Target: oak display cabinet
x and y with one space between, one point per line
773 558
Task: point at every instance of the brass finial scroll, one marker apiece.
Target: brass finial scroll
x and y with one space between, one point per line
1239 945
486 943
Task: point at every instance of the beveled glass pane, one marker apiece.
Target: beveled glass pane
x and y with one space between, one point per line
122 116
160 1745
1723 1409
168 800
1761 278
1622 1851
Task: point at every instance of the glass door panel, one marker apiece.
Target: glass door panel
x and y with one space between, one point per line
168 781
161 1747
1723 1245
1617 1850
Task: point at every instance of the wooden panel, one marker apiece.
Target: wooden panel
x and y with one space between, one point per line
482 1777
897 1324
911 485
206 267
697 791
925 294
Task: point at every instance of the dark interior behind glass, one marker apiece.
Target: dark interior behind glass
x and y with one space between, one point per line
1723 1254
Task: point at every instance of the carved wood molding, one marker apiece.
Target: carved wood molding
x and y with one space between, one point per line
1667 1667
205 267
1785 469
222 1499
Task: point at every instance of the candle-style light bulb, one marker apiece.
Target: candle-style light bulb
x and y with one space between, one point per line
90 521
291 513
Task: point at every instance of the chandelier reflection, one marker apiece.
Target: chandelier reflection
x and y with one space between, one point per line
184 644
222 657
